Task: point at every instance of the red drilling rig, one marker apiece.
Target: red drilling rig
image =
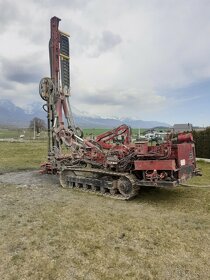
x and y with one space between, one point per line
112 164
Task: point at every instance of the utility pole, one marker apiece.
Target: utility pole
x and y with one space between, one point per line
34 129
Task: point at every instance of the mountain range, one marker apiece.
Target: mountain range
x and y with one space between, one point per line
12 115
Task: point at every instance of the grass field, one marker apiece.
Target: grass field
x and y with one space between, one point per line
48 232
16 132
22 155
97 131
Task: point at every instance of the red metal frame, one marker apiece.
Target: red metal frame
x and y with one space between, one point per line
107 138
168 164
54 50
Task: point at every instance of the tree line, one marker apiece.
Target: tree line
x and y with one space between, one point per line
202 143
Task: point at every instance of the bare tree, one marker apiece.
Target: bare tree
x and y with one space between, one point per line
37 124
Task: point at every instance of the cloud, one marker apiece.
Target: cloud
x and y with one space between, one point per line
109 40
122 103
24 70
19 78
73 4
128 56
9 14
20 72
106 42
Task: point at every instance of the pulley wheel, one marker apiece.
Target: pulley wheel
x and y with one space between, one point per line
46 88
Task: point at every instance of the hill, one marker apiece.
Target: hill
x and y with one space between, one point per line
12 115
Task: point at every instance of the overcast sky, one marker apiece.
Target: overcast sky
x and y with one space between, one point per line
144 59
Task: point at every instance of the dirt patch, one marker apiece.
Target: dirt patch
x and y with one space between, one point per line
29 179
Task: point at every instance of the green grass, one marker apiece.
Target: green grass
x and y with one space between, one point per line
94 131
22 155
97 131
205 178
16 132
10 133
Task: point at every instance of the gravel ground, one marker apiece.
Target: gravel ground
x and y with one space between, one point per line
29 179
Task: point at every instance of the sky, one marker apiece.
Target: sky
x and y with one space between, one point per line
139 59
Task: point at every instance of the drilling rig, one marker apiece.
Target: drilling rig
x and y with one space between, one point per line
111 165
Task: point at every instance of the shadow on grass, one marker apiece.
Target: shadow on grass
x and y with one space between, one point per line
159 195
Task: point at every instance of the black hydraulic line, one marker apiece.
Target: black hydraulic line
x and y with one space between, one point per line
48 129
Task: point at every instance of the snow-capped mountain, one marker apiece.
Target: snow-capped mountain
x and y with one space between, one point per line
10 114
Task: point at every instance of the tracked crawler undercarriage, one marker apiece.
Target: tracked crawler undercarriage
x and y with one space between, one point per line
111 165
97 181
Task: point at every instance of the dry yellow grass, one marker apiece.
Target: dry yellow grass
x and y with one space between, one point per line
47 232
52 233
